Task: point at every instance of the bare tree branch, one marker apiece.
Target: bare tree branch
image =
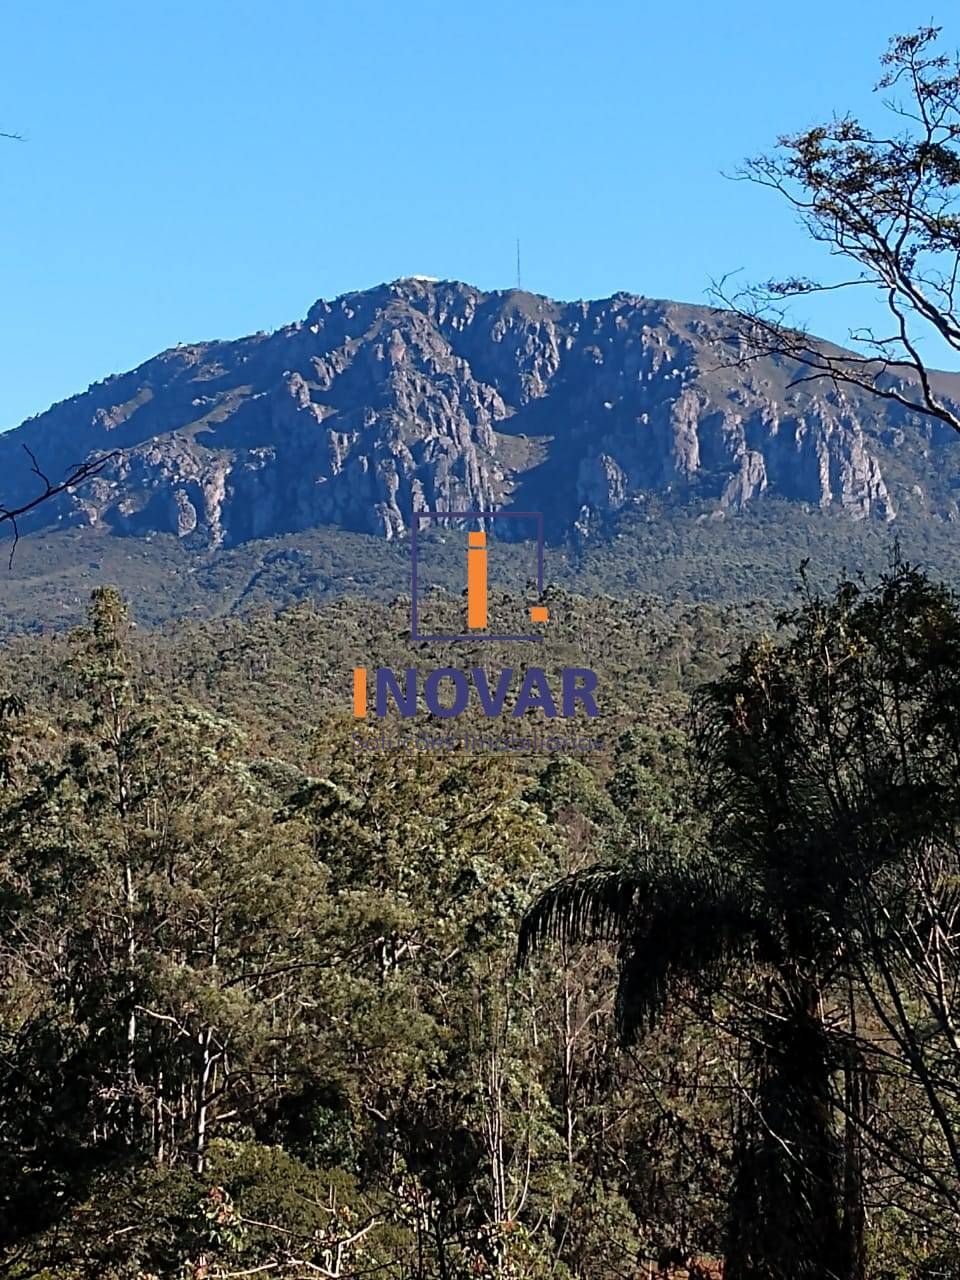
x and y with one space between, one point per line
891 207
77 474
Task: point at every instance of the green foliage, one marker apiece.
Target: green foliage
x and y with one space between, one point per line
684 552
258 998
824 879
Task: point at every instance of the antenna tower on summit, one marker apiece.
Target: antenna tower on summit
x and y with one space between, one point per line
518 262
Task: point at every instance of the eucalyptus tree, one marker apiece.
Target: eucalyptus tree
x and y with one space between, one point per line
159 929
884 200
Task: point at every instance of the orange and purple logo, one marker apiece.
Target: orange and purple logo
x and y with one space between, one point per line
477 608
447 690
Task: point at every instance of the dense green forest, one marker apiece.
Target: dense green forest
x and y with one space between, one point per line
690 552
262 1010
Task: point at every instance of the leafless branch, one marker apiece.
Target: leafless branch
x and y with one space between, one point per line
77 474
890 205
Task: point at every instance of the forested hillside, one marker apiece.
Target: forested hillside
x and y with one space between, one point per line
668 551
261 999
261 1011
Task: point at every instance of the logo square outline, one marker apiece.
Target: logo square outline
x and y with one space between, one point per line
416 517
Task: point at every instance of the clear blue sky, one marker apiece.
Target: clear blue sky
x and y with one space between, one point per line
205 168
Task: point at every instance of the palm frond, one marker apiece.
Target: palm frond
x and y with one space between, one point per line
696 925
588 906
673 921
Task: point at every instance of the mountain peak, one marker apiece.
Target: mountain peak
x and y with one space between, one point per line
424 394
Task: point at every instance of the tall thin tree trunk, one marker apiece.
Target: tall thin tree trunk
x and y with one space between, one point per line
205 1039
131 993
159 1144
854 1210
200 1105
568 1065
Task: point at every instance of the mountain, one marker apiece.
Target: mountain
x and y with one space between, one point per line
434 395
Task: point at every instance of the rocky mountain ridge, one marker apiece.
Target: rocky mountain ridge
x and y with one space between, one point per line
423 395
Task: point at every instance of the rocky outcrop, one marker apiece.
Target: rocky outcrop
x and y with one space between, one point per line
424 395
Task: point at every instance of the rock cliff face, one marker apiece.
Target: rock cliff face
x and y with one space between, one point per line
436 396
